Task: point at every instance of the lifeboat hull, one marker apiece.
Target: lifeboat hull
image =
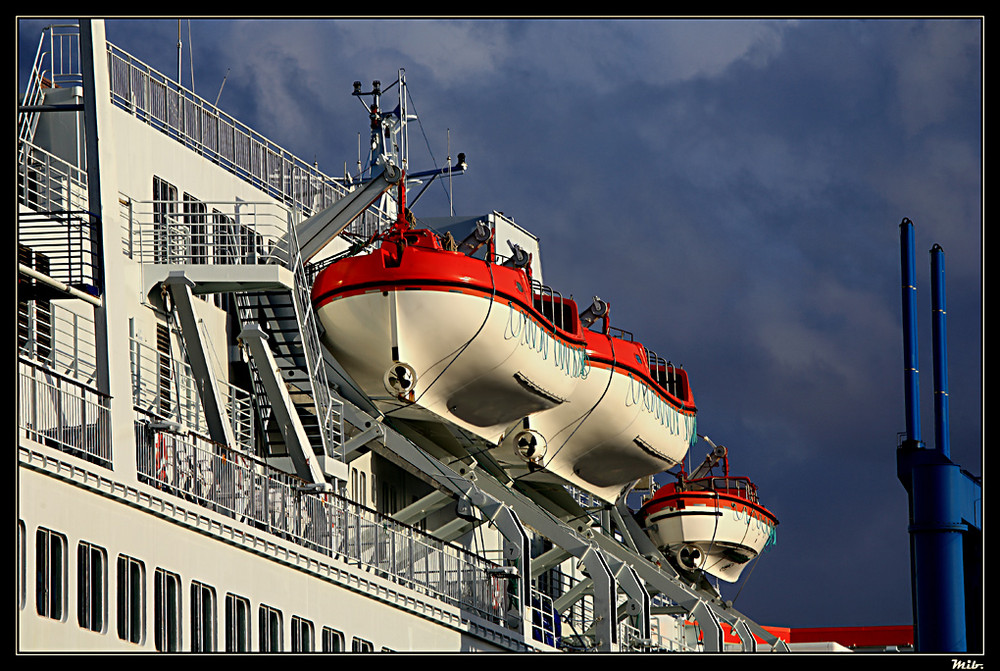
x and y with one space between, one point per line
717 534
615 428
445 334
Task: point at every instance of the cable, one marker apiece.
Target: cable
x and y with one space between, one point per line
460 350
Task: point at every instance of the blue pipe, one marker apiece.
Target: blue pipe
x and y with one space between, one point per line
931 479
939 317
911 371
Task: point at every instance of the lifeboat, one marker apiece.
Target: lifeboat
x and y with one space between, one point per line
631 416
423 326
714 525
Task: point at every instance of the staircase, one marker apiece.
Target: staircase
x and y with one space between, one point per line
293 337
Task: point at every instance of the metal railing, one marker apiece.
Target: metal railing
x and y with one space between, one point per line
59 338
62 413
169 107
57 63
206 232
245 489
329 410
166 386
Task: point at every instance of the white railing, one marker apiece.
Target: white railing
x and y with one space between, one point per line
205 233
57 62
165 105
64 414
62 339
47 183
240 487
167 387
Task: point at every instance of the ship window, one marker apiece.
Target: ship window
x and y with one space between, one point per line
237 624
21 559
203 628
303 635
361 645
131 598
50 573
333 640
167 610
270 629
91 581
195 215
164 217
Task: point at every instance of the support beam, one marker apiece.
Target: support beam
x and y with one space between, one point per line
299 448
318 230
219 427
638 603
547 560
423 507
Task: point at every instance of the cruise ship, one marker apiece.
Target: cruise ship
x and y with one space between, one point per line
264 409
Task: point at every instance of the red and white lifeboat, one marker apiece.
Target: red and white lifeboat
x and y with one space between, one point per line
710 524
632 416
421 327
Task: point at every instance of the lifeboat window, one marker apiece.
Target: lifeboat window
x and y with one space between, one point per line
671 378
558 311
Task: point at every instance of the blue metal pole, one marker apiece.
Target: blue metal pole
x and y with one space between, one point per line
939 317
911 371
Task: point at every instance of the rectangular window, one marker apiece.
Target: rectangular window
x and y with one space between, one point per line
361 645
22 557
164 219
303 635
270 629
131 599
195 214
237 624
203 629
50 573
167 610
91 579
333 640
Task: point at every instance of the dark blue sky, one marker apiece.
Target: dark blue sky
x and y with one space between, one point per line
734 190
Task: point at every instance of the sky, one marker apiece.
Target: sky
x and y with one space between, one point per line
733 188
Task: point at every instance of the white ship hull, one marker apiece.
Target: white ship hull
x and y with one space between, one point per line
613 430
465 357
717 535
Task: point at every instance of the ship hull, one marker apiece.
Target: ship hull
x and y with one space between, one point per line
615 429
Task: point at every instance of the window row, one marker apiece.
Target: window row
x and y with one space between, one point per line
51 585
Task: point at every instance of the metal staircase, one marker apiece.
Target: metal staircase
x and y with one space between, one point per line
286 316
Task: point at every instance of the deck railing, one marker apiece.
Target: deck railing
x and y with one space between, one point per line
62 413
243 488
